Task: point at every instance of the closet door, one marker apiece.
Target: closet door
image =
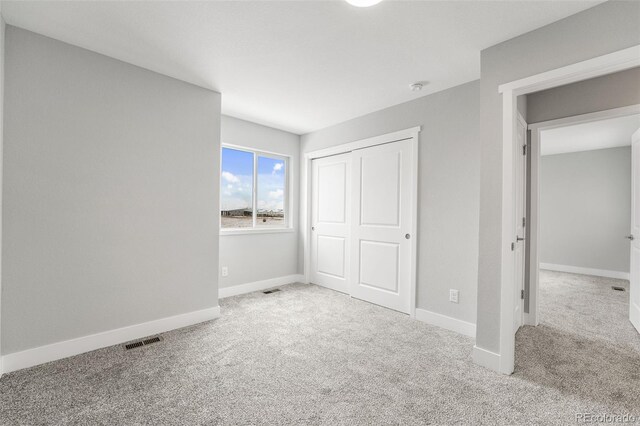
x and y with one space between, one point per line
330 216
381 225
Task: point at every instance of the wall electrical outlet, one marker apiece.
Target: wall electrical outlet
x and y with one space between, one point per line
453 295
225 271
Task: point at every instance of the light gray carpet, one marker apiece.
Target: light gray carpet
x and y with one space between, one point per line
585 346
308 355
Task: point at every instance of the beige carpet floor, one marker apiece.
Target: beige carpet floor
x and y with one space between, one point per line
308 355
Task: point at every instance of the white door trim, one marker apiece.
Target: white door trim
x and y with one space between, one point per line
305 198
634 270
533 294
594 67
519 155
601 65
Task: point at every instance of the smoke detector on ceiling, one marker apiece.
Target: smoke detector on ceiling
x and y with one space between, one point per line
416 87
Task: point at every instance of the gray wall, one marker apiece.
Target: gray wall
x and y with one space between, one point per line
259 257
585 208
448 189
596 94
110 194
603 29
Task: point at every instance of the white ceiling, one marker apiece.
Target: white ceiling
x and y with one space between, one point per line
601 134
296 65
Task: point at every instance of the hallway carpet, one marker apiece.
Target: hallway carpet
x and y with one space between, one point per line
308 355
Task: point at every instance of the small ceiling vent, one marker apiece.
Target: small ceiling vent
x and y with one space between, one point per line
144 342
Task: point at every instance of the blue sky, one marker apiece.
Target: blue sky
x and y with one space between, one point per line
236 184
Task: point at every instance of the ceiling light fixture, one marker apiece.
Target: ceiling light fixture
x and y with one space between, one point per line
363 3
416 87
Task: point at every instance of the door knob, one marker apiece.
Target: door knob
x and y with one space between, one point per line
313 228
630 237
407 236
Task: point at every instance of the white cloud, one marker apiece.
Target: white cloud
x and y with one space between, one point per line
230 177
236 191
277 167
277 194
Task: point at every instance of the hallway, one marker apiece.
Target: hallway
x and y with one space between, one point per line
585 346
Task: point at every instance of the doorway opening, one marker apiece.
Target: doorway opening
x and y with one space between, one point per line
582 218
503 361
583 282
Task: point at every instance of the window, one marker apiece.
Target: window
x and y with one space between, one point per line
271 189
236 182
253 188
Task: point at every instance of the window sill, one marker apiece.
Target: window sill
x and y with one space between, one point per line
225 232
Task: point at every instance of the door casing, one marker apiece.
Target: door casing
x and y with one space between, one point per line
519 219
634 278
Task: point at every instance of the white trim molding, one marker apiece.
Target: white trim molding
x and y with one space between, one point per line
585 271
586 118
449 323
584 70
55 351
254 231
259 285
606 64
364 143
485 358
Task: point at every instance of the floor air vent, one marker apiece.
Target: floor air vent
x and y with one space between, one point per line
144 342
271 291
616 288
152 340
133 345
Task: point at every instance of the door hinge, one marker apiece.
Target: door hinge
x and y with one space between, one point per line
524 150
513 246
522 294
524 222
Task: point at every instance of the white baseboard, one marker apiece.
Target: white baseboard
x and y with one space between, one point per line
453 324
529 319
487 359
40 355
258 285
585 271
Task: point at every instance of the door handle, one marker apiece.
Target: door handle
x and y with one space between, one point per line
630 237
313 228
519 239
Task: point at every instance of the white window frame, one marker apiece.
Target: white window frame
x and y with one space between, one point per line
288 223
